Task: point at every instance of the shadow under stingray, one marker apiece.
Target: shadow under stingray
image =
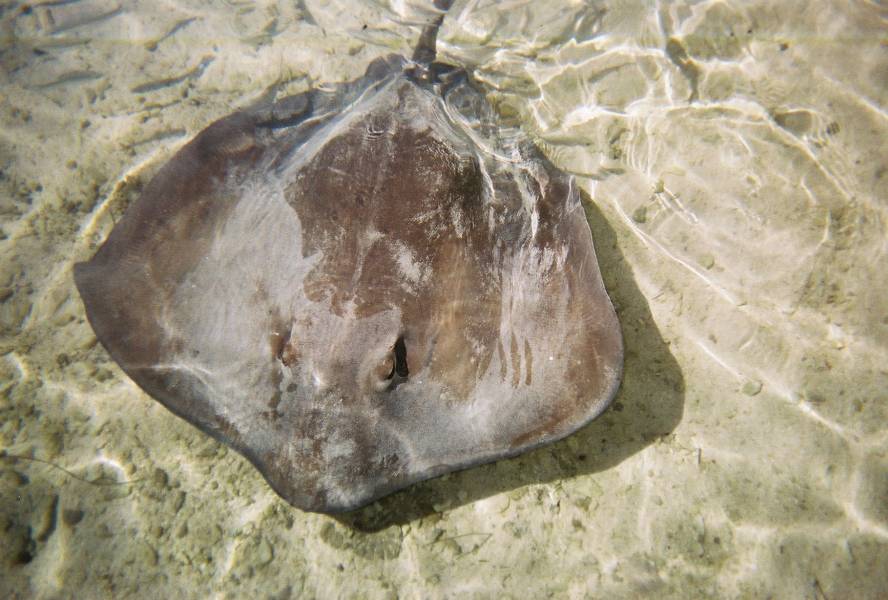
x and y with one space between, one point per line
648 406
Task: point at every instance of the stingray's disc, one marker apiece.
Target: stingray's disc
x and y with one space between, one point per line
361 289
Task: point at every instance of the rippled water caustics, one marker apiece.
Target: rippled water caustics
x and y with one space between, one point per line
733 161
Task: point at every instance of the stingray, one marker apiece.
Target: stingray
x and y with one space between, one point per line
362 286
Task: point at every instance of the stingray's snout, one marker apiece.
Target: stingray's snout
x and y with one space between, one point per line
381 372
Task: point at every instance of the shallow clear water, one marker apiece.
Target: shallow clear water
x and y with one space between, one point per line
733 159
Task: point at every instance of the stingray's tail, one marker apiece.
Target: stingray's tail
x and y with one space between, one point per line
425 48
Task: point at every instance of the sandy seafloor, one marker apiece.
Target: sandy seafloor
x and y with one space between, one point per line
733 157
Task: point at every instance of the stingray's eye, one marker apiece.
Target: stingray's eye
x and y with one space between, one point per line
392 369
289 355
385 370
284 347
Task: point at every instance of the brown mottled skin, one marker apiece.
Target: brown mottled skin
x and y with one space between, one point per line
361 289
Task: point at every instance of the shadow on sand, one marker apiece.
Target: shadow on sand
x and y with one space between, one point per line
648 406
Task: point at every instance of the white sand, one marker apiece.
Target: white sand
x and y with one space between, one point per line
737 178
